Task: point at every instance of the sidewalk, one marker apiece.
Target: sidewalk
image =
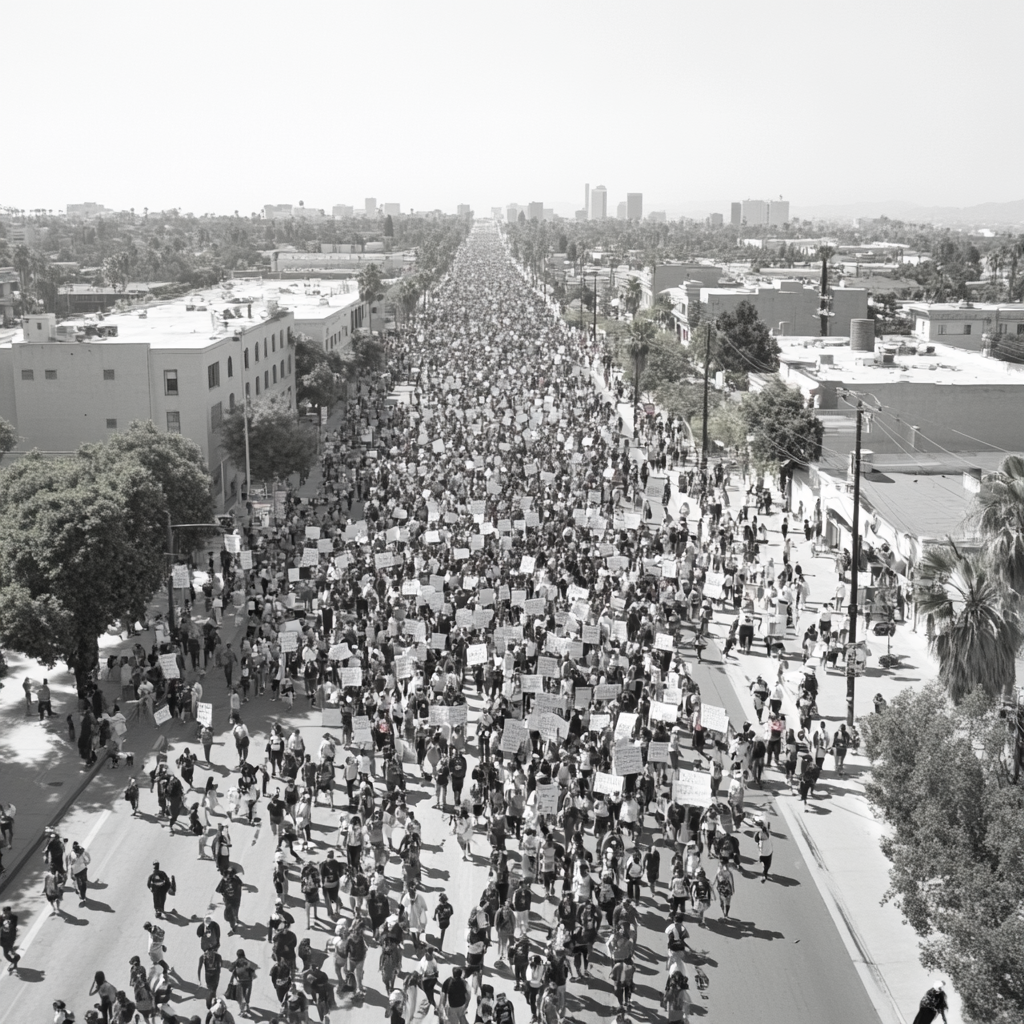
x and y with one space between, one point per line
840 836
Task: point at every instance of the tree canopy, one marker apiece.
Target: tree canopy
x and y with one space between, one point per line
781 427
279 444
315 373
743 345
941 780
82 539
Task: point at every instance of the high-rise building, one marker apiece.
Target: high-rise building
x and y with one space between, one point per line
599 203
586 200
341 212
581 215
736 216
464 209
634 206
496 212
370 207
716 220
512 212
535 211
778 212
392 209
755 212
620 211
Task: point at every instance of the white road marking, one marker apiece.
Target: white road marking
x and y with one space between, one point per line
43 916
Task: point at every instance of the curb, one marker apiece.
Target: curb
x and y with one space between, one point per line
870 973
17 866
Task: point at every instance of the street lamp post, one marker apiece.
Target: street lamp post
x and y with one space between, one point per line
851 655
704 418
593 336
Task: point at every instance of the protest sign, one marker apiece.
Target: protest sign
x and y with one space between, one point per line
204 713
169 666
714 718
610 784
692 788
627 759
658 752
162 714
663 712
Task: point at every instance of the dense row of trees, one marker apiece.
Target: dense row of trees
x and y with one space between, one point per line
199 251
773 425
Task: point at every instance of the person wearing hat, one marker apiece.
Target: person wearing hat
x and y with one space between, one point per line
933 1004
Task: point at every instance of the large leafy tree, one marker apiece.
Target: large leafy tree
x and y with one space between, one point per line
941 781
744 345
174 462
315 373
279 444
781 426
973 622
371 288
81 546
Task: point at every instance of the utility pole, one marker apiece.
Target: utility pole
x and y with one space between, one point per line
851 644
704 418
593 336
170 574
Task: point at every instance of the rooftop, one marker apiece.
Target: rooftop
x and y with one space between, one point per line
912 362
196 319
925 506
960 307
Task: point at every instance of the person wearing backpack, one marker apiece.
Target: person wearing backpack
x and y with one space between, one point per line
700 893
677 935
505 925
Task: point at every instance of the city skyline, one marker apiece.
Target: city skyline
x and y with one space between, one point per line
176 153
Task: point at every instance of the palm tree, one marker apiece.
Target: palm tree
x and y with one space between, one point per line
974 624
641 334
370 289
1000 516
633 295
408 296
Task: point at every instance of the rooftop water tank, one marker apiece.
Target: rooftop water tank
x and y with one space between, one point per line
862 335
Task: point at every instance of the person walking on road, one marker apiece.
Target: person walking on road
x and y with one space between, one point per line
228 660
230 888
159 884
765 849
210 963
9 938
78 866
45 703
53 890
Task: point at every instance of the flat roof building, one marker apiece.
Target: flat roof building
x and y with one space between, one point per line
183 365
598 202
634 206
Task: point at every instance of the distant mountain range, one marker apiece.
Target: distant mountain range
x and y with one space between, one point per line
985 214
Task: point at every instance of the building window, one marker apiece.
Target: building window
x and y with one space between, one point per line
942 328
264 348
246 392
256 350
1020 330
108 374
231 367
266 378
28 374
216 415
174 423
217 477
231 402
245 358
1002 328
967 328
282 369
289 366
213 375
273 342
111 424
257 385
275 373
170 382
50 374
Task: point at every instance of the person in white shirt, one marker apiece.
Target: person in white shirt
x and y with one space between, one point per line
77 862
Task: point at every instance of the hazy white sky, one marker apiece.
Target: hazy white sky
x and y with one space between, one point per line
217 106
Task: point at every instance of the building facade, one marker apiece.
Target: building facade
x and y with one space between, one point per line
634 206
598 203
182 368
966 324
736 214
